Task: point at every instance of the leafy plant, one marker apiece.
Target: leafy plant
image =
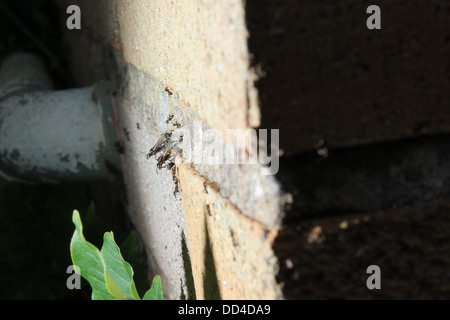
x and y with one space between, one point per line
109 275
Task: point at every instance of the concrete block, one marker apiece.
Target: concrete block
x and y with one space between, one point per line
325 77
198 50
187 60
227 248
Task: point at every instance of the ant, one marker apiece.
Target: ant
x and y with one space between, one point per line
169 151
169 156
175 123
175 180
169 118
161 161
159 145
169 92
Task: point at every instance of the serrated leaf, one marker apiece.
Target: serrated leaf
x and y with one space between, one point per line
118 269
89 261
155 292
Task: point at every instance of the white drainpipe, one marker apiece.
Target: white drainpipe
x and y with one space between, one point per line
52 136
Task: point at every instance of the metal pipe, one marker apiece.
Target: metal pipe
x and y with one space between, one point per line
52 136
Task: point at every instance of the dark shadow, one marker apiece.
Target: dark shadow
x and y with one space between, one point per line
36 27
319 66
210 282
182 296
407 244
367 178
187 271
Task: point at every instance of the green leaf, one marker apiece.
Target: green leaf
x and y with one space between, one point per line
113 288
89 261
118 269
155 292
131 253
109 275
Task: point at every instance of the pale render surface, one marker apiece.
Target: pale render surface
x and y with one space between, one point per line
197 49
189 59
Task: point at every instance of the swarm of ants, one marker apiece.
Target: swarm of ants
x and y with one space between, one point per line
168 151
